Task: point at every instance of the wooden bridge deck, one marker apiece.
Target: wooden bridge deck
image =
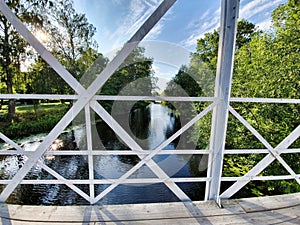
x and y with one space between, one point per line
284 209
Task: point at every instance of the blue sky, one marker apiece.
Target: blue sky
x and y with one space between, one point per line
187 21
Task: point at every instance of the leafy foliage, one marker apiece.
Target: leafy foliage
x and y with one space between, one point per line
133 77
71 41
32 120
12 46
266 66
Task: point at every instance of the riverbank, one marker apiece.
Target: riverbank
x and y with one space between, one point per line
32 119
35 119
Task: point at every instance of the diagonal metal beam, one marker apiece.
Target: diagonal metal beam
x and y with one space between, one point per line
87 95
64 180
11 143
259 167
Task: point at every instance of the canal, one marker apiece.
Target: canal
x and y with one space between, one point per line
149 125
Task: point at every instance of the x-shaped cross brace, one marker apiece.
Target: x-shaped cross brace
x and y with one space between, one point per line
267 160
85 99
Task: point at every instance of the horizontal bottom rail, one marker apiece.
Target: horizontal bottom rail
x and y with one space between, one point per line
279 177
155 180
147 152
112 181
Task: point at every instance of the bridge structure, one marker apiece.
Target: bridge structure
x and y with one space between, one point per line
220 105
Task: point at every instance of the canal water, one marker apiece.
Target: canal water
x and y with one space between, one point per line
149 126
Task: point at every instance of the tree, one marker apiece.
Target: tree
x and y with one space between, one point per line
207 47
185 81
72 36
12 46
71 41
245 32
198 78
134 77
44 79
268 66
90 65
204 64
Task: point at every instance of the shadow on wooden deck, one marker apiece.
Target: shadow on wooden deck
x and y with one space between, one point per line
283 209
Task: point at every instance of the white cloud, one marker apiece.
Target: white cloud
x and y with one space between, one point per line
117 2
259 11
258 6
208 21
164 73
137 14
156 30
264 25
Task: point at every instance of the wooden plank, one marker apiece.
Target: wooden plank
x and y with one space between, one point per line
271 202
265 210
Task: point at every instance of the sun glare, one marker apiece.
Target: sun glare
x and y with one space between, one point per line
41 36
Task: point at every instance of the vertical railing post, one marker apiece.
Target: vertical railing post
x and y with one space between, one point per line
229 15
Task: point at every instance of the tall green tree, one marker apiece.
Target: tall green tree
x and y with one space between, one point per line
198 78
133 77
71 41
185 81
12 46
207 47
72 35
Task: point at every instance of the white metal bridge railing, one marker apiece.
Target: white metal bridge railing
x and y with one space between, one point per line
86 99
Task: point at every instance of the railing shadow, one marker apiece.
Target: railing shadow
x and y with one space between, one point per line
239 211
258 214
196 213
104 215
87 218
5 215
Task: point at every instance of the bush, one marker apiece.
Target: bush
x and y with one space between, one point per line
29 122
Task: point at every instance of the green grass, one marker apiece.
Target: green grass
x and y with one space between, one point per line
31 120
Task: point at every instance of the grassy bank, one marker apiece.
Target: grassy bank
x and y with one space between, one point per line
31 119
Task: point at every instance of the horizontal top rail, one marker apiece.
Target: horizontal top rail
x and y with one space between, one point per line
148 98
266 100
147 152
109 97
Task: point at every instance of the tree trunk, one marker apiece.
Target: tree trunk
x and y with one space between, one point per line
9 74
11 103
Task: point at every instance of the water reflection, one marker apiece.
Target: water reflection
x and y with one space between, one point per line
162 124
150 126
